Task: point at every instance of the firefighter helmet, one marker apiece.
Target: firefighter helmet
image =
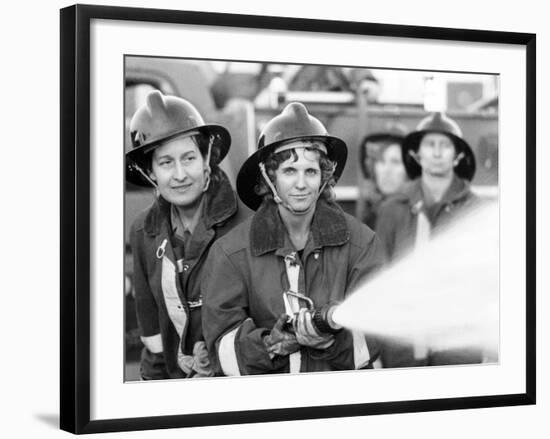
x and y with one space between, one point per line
163 118
294 123
439 123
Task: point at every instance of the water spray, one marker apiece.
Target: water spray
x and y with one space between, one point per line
442 296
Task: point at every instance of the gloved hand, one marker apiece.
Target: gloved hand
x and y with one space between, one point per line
152 366
307 335
201 362
279 341
198 364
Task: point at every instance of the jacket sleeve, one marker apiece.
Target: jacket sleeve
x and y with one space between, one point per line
234 342
352 349
152 359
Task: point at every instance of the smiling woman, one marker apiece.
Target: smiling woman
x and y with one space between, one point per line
178 154
181 175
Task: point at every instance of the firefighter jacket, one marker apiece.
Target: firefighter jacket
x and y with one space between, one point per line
246 274
404 221
167 293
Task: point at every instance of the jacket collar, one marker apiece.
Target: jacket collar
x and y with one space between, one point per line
268 232
220 205
414 193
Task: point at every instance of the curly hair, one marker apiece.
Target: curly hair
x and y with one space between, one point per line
273 162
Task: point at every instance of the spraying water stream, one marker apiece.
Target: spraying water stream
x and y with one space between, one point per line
444 295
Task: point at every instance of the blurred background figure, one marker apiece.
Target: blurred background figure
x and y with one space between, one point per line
332 78
383 170
364 81
442 164
315 79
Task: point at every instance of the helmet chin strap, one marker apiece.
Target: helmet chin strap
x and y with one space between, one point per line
207 169
459 157
284 204
414 156
135 166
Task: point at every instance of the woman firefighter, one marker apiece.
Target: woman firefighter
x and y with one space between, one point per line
175 152
271 283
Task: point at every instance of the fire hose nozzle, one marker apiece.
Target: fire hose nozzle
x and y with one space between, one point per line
322 319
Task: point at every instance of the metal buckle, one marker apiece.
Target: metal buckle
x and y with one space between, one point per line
194 303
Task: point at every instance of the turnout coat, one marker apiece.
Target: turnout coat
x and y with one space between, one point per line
404 220
403 223
245 277
167 291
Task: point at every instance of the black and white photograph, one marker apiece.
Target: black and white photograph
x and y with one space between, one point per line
269 219
291 218
275 220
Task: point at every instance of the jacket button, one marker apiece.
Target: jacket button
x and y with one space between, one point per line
316 256
185 267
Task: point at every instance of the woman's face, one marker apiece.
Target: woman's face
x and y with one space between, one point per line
178 168
389 172
298 180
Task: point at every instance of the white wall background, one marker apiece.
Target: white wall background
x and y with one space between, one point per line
29 329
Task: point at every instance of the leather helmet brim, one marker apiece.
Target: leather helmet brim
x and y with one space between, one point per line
222 142
466 168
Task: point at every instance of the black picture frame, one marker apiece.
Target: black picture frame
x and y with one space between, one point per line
75 216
